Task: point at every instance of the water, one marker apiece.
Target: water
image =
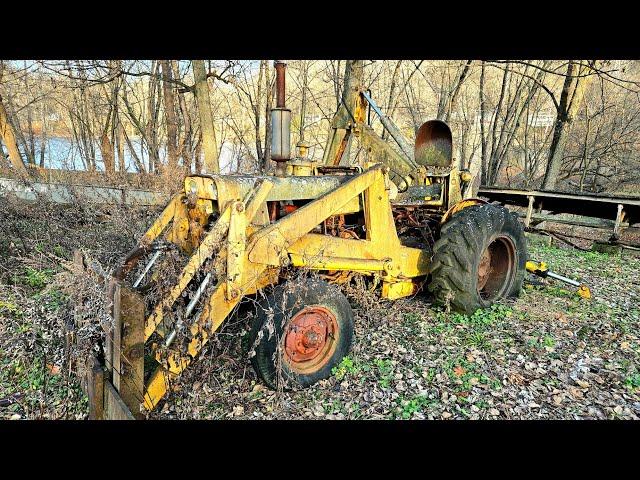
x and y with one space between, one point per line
62 153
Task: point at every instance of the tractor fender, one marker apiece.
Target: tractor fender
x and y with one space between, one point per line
461 205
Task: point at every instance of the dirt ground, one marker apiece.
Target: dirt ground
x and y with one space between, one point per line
549 354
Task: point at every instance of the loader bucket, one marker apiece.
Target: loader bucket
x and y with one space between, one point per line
114 382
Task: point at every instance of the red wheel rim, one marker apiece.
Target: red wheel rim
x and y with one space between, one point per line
310 339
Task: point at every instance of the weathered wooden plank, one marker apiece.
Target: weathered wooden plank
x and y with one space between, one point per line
578 221
116 340
114 406
132 320
109 329
95 389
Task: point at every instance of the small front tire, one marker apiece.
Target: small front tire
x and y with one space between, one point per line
301 332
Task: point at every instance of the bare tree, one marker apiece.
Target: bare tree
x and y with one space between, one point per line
570 99
170 116
9 138
206 118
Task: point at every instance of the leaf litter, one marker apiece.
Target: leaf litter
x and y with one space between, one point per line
547 355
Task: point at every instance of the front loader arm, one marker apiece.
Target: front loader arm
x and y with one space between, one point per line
253 259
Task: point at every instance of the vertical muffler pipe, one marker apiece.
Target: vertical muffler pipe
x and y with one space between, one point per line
280 123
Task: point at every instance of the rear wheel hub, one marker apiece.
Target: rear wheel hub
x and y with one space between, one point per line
497 268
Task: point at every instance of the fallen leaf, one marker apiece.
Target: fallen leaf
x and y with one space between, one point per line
516 379
459 371
53 369
238 410
575 392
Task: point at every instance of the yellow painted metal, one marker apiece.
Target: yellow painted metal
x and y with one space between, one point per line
542 270
157 387
381 151
321 252
453 187
162 221
268 246
179 232
217 309
322 262
242 279
252 256
202 253
461 205
236 244
395 290
206 249
584 291
256 201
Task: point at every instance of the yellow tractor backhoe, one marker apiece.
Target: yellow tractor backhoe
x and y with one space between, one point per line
402 217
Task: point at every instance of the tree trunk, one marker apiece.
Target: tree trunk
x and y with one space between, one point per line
198 153
570 100
4 161
119 141
560 131
14 121
453 95
43 136
206 118
392 90
185 144
483 141
107 152
303 104
170 117
152 111
257 112
30 147
9 138
269 88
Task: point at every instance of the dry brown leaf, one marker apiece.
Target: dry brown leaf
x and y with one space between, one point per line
516 378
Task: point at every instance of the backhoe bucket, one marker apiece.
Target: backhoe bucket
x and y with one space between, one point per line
433 147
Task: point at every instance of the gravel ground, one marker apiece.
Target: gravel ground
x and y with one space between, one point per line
549 354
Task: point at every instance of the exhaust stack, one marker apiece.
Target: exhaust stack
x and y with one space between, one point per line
280 123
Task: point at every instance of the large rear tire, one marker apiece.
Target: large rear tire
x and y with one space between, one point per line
307 329
479 258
